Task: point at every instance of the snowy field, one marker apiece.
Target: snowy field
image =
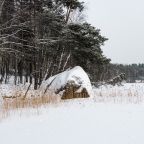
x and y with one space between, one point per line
128 93
114 116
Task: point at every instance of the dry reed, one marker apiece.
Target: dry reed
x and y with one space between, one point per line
18 102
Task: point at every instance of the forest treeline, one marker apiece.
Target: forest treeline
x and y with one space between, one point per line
40 38
133 72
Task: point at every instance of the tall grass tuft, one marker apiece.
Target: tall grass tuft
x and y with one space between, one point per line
19 102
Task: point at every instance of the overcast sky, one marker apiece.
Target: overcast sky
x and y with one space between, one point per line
122 21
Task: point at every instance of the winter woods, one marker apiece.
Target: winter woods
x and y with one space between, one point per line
39 38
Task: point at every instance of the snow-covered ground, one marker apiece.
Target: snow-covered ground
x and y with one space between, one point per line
99 120
128 93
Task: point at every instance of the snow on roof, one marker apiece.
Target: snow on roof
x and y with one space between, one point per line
76 75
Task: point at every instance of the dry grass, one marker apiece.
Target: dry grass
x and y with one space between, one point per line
36 99
132 94
33 102
18 102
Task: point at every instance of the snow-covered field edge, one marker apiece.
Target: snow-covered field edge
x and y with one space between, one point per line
126 94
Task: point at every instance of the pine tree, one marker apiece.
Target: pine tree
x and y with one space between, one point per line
37 40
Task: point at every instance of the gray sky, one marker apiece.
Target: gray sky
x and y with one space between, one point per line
122 21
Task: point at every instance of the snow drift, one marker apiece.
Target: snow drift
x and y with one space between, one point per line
75 76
